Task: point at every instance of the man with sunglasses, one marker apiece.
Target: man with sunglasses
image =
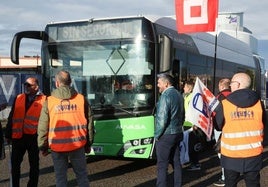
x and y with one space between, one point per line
21 131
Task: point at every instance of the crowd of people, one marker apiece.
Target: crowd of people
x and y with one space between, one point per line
239 117
37 123
60 124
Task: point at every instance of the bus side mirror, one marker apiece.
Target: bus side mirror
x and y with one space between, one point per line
165 46
15 45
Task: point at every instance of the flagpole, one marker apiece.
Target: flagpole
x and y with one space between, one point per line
215 62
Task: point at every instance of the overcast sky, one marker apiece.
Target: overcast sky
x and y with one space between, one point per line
19 15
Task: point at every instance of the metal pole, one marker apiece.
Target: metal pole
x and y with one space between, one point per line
215 62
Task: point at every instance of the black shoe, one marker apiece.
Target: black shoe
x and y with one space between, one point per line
194 167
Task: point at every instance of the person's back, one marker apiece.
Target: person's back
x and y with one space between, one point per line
66 127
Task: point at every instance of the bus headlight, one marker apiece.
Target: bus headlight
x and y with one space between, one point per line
146 141
142 141
135 142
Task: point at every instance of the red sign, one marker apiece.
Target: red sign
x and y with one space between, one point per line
196 15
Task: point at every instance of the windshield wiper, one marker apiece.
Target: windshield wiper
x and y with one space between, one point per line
135 114
113 107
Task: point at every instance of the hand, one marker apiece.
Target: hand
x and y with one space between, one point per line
195 127
45 152
8 140
3 106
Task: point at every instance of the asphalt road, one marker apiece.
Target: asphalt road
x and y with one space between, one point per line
106 172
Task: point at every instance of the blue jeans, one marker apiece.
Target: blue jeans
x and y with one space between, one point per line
167 151
78 161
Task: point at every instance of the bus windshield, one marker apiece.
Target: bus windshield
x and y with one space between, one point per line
115 73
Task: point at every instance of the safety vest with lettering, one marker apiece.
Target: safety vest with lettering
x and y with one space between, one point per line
242 134
67 125
25 122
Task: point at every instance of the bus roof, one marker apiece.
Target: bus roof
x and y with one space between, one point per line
151 18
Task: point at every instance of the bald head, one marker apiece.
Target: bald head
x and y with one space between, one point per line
240 81
63 78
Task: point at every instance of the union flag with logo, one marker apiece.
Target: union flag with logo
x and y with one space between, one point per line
196 15
201 107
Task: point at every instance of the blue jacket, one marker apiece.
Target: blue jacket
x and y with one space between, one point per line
169 113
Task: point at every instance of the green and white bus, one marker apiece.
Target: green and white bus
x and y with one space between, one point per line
114 62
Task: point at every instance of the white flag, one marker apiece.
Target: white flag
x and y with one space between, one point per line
201 106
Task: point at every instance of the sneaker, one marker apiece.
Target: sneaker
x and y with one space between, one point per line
194 167
220 182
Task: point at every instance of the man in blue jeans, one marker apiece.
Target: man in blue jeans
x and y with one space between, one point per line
168 130
66 127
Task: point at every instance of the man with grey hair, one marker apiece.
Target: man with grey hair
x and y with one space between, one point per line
241 119
66 127
168 130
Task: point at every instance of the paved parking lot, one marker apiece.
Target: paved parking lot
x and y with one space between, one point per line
108 172
128 172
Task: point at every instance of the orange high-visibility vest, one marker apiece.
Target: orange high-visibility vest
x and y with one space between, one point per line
242 134
67 125
25 122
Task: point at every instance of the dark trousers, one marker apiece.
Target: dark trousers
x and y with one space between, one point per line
196 139
19 147
79 165
167 151
252 179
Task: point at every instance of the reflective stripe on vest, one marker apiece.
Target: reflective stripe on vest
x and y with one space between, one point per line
26 122
68 125
242 134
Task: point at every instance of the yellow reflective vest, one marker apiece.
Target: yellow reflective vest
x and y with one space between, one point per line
67 125
25 122
242 133
187 100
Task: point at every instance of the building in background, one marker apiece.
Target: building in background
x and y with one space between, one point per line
25 62
12 77
233 25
